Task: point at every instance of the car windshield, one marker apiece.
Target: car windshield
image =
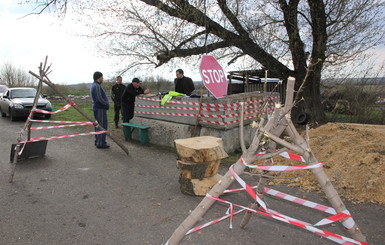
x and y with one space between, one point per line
23 93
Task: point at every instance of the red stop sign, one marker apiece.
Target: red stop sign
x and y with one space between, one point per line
213 76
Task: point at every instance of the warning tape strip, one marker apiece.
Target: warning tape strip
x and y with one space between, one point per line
213 222
280 167
234 121
299 201
210 104
47 121
62 126
248 189
201 115
54 112
331 236
196 108
63 136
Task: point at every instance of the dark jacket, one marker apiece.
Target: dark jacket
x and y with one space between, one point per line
117 92
184 85
128 96
99 97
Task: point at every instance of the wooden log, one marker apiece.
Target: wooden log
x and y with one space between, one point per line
198 170
200 149
197 187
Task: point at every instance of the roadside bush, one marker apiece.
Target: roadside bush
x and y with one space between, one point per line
363 100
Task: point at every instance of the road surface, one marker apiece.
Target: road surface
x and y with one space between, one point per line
78 194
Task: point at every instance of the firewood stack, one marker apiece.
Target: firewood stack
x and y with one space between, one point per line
199 160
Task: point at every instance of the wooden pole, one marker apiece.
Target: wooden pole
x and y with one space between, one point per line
241 129
323 180
199 111
265 85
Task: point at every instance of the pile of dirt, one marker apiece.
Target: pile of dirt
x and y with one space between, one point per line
354 157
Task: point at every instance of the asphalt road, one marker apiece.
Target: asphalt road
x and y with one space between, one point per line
78 194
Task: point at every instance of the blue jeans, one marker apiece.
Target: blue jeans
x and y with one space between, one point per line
101 117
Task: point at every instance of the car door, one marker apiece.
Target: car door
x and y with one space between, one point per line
4 102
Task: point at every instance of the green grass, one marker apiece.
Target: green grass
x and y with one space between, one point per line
233 158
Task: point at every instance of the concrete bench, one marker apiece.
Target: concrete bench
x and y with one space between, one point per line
129 128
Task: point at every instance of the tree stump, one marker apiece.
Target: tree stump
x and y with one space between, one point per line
199 160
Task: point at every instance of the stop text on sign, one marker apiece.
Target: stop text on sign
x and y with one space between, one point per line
212 76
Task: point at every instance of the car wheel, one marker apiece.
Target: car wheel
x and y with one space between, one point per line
3 114
12 116
47 116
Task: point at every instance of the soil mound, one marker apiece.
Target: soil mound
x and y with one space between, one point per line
354 157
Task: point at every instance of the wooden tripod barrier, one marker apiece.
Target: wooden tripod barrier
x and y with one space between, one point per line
279 121
221 186
199 160
270 148
51 85
43 77
27 125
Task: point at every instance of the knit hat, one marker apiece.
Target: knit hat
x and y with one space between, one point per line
97 75
136 80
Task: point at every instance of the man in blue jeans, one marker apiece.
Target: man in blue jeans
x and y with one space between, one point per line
100 105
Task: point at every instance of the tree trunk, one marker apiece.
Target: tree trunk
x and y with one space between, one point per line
311 92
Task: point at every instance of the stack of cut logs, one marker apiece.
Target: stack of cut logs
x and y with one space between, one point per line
199 160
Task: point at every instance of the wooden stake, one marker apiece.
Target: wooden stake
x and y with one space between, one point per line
199 111
241 129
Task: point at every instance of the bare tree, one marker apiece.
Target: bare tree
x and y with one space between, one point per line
280 35
15 77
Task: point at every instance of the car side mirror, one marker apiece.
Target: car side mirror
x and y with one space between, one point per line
5 96
44 96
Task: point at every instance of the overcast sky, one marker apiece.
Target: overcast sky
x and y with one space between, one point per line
25 42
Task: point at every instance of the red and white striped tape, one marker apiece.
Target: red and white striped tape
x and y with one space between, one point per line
299 201
63 136
54 112
200 227
196 108
62 126
247 188
209 104
231 122
280 167
166 113
349 221
47 121
289 155
331 236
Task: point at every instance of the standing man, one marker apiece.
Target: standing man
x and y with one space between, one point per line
128 99
183 84
100 105
116 95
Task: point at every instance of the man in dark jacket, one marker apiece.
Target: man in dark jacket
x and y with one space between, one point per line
128 99
116 96
100 105
183 84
